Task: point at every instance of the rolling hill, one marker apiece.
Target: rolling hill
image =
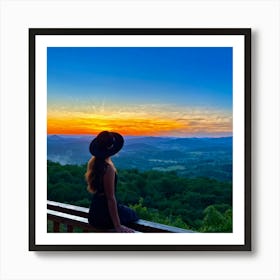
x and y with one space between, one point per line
189 157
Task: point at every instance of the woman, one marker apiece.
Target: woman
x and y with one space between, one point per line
101 177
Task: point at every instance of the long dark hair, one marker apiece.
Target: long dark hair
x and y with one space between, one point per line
96 169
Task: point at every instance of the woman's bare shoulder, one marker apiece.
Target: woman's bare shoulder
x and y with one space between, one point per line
110 169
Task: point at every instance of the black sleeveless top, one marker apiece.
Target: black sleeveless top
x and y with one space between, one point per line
99 215
100 187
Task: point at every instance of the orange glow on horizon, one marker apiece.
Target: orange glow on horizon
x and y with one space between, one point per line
137 124
133 127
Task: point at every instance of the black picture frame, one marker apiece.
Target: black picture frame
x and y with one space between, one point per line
34 33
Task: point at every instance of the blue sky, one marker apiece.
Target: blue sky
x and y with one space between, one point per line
190 76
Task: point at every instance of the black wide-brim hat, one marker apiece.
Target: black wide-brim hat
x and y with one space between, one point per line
106 144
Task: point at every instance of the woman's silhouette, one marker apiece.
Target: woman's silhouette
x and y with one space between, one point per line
101 177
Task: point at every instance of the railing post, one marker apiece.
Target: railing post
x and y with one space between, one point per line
70 228
56 226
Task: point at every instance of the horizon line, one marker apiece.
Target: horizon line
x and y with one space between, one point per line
140 136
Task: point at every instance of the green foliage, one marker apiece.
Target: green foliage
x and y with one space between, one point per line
201 204
215 221
156 216
66 183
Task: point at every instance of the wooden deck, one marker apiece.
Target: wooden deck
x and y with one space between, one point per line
75 216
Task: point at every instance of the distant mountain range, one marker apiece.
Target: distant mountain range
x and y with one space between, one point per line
191 157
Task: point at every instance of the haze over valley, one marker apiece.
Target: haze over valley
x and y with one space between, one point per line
189 157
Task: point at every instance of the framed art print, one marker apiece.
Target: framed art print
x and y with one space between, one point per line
181 101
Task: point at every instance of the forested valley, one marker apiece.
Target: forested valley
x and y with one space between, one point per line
200 204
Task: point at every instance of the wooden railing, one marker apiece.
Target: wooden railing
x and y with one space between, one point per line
75 216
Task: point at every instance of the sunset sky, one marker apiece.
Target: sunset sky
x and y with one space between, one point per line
149 91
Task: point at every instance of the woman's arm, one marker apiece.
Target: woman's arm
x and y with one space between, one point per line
109 189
